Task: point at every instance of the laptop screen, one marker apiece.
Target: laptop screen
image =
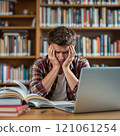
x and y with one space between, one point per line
98 89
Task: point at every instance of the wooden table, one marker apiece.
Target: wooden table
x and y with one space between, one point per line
55 114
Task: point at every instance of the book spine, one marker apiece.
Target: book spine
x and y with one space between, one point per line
118 47
105 45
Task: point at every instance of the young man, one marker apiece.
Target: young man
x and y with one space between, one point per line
56 75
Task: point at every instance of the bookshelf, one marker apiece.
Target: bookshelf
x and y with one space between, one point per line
23 22
92 31
18 21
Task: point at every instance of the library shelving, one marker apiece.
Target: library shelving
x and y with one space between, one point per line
19 21
59 12
16 23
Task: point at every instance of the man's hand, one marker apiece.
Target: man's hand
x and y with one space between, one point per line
53 59
71 78
71 55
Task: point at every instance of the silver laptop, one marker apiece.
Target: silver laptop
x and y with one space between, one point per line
98 90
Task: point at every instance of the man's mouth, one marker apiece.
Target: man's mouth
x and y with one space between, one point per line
61 62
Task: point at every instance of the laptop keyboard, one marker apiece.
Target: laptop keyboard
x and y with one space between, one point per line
70 108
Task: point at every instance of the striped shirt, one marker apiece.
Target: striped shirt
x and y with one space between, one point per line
40 69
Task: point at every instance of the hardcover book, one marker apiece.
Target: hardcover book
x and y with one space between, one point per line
31 99
10 101
12 108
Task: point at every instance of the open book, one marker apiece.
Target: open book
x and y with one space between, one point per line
21 92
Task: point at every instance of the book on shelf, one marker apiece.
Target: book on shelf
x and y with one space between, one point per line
9 73
31 99
14 31
15 44
33 22
99 65
11 34
101 45
81 2
6 7
13 110
43 46
82 17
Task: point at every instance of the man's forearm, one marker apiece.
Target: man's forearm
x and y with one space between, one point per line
71 78
48 81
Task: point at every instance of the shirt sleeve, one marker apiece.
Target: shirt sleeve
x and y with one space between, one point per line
75 88
37 74
84 63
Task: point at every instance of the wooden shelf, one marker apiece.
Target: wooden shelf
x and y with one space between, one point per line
86 28
18 16
13 84
101 57
17 27
78 5
17 57
18 21
98 57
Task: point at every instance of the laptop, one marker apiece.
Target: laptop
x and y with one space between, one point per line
98 90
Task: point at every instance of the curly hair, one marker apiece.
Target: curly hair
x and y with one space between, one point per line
61 36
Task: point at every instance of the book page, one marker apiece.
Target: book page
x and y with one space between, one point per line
35 96
38 103
15 90
43 102
63 103
23 87
8 94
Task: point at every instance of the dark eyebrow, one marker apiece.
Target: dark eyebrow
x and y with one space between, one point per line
65 51
61 51
57 51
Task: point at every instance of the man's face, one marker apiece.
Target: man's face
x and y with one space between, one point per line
61 52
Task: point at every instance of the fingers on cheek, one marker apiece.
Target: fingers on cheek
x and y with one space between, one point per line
53 53
49 50
52 50
73 51
72 48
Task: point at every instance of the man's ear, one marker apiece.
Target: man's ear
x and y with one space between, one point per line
74 46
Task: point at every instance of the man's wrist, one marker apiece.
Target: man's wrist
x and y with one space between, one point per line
66 68
56 68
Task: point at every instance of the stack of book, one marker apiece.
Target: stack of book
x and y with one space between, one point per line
12 107
21 95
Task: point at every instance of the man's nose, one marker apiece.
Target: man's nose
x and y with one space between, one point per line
61 55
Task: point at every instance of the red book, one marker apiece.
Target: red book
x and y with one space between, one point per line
118 42
67 1
12 108
98 46
84 17
8 80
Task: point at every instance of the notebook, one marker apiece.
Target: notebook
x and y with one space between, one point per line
98 90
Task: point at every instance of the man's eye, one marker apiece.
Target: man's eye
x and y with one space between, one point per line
65 52
57 52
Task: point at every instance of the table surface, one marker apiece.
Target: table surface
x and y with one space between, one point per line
55 114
